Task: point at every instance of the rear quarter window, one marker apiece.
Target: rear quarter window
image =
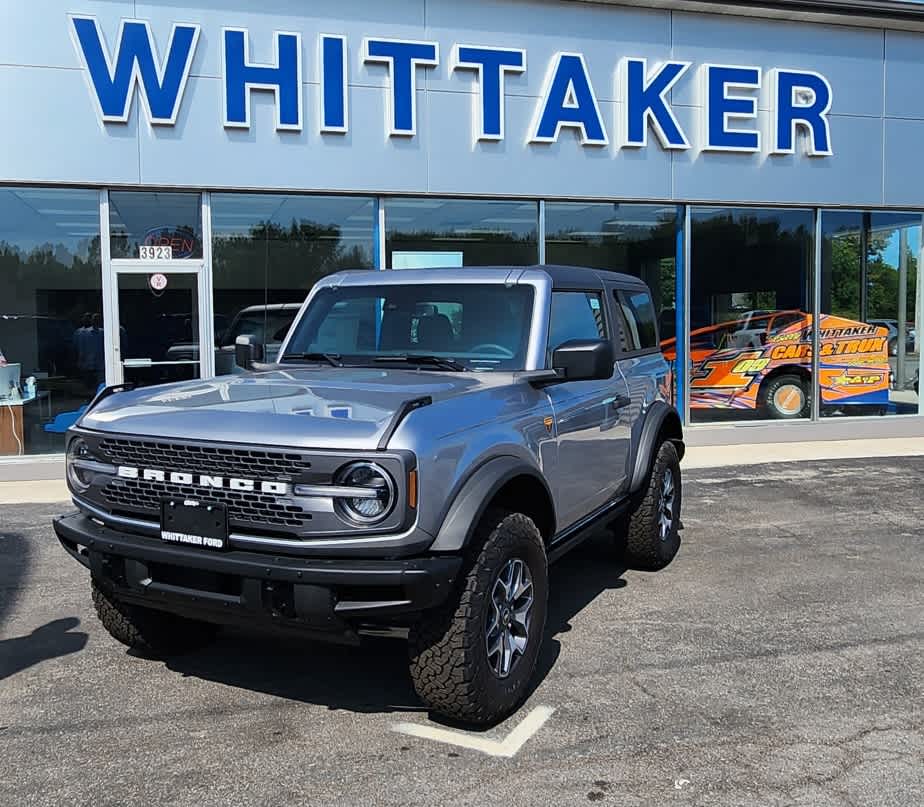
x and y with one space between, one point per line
638 318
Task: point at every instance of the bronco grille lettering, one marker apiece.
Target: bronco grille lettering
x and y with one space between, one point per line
203 480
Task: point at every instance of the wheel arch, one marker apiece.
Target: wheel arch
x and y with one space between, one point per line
501 482
787 369
661 423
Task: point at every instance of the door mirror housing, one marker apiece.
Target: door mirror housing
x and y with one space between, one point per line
583 360
247 350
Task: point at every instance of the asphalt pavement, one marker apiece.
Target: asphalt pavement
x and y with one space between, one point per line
777 661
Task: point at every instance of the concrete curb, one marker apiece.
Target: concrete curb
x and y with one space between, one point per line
49 491
43 492
760 453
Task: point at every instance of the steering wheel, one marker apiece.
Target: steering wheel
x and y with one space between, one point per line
506 353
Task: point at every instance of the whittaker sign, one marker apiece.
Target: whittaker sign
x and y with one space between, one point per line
800 100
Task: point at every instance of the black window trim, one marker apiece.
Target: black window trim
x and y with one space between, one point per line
612 289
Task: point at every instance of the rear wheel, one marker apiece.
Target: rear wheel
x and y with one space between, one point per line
785 397
653 527
473 659
154 633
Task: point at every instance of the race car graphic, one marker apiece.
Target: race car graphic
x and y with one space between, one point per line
764 362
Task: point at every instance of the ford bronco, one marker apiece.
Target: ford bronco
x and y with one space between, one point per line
425 443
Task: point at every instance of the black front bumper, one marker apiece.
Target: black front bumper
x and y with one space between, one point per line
329 598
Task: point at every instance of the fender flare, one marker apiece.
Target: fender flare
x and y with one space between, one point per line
472 500
659 414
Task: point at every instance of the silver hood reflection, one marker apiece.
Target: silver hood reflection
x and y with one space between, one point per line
324 407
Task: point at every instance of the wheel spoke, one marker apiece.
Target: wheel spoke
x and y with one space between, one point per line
521 614
507 653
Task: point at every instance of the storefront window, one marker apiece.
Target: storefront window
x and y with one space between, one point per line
870 304
429 233
51 336
268 250
639 240
750 314
154 225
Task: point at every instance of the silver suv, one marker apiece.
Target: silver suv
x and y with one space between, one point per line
426 443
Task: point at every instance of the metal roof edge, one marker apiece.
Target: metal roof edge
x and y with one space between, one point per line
890 14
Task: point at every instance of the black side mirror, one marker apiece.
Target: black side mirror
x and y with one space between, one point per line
247 350
583 360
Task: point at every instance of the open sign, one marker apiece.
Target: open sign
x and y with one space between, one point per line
182 242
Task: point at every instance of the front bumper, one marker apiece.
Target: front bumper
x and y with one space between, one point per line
330 598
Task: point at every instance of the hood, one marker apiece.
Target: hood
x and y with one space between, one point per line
324 407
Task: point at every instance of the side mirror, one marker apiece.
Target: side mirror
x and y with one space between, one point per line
583 360
247 350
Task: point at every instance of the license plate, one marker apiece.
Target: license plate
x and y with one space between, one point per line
193 523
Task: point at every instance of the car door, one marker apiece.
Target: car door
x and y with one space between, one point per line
592 437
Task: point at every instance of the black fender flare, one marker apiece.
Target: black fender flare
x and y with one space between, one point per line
473 498
659 414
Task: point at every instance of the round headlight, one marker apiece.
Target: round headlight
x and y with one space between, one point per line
77 449
375 493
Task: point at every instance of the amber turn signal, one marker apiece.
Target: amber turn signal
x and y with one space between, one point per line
412 489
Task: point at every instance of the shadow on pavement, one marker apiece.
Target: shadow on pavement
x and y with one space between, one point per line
15 558
374 677
46 642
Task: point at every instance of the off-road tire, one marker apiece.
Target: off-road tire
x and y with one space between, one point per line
644 546
153 633
449 661
765 398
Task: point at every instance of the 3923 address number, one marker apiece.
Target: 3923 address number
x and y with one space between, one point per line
155 253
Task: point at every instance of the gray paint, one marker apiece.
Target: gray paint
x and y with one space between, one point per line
876 116
473 418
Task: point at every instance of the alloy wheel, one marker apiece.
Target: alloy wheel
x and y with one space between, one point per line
666 504
507 631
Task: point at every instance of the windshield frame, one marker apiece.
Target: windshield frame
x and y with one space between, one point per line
378 283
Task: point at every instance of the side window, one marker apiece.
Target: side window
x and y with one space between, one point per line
575 315
638 316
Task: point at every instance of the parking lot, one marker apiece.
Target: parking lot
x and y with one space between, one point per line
776 661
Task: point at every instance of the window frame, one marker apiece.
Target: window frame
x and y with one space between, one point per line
619 315
607 317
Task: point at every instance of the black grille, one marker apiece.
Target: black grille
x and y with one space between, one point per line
257 509
269 466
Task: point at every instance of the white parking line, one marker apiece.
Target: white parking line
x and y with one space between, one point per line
508 747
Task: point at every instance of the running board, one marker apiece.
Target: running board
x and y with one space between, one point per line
581 530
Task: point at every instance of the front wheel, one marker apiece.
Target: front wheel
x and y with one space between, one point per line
785 397
473 659
153 633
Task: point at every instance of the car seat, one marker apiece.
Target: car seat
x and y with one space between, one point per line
434 333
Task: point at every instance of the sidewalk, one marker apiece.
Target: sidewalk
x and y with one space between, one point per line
49 491
756 454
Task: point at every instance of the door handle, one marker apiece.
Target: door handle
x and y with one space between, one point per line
620 402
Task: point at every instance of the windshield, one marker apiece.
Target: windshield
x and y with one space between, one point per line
477 326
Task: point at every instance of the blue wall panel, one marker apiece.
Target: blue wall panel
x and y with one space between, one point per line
850 58
53 132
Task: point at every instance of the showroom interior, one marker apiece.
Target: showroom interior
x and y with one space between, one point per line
241 263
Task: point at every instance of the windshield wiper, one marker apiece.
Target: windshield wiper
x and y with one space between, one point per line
333 359
440 362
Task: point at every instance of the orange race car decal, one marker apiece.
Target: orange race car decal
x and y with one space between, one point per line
730 361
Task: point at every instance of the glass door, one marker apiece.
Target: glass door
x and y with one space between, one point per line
157 298
160 326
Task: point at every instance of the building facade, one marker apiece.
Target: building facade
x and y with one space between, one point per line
174 175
